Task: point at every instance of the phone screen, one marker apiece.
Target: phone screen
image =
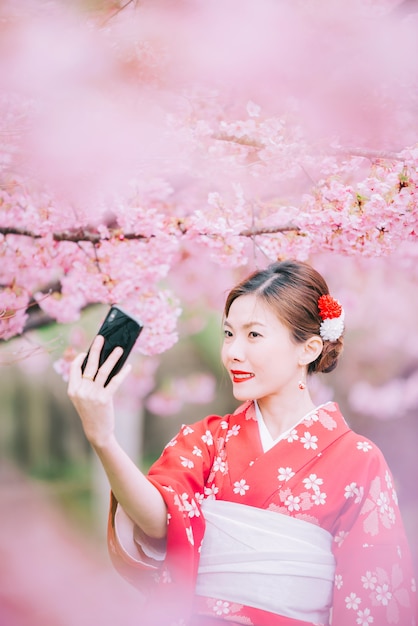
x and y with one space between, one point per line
118 329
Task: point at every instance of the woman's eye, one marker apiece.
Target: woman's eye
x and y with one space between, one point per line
253 333
227 333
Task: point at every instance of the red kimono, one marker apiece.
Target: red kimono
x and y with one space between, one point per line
321 473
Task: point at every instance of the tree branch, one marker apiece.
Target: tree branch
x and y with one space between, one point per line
269 230
349 151
39 319
87 235
117 11
369 154
72 235
243 141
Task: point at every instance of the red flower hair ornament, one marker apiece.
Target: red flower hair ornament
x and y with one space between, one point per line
332 314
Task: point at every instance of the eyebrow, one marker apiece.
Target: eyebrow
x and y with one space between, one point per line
246 325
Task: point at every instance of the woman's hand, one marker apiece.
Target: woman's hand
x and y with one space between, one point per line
140 499
92 400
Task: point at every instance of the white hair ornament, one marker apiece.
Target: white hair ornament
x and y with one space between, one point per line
332 314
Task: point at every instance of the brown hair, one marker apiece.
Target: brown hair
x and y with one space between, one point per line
292 289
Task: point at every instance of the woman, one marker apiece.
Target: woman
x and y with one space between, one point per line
276 515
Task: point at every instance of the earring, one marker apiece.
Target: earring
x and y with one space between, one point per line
301 385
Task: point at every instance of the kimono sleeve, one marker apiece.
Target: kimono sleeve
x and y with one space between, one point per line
374 581
180 475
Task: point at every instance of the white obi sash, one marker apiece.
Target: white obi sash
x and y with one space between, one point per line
266 560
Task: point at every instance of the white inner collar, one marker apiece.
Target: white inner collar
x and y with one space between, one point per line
267 440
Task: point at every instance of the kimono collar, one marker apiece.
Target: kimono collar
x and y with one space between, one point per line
267 441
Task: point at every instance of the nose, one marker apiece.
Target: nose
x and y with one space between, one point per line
233 350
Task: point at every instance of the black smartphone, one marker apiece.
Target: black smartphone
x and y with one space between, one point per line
118 329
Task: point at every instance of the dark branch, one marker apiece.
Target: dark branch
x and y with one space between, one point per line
117 11
252 232
343 150
39 319
86 235
369 154
72 235
243 141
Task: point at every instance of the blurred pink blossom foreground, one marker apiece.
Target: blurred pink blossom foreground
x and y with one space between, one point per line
50 574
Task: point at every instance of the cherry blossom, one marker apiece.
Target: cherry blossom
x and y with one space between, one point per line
221 608
285 473
352 601
309 441
241 487
313 482
292 503
319 497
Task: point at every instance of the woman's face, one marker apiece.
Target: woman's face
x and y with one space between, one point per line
258 351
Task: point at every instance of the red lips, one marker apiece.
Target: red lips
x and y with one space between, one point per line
241 377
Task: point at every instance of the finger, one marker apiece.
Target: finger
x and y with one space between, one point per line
93 359
117 380
108 365
75 372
